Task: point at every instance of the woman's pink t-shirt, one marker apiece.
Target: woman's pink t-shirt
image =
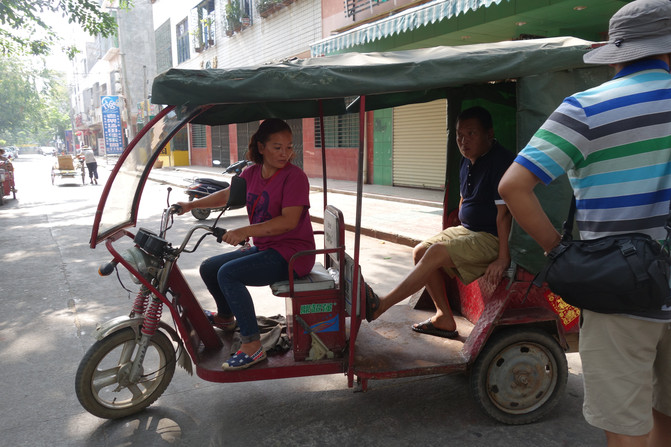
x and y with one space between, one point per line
289 187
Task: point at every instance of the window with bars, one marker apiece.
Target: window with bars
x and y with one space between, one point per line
163 47
339 131
199 135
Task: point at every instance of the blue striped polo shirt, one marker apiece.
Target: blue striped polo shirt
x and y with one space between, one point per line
614 142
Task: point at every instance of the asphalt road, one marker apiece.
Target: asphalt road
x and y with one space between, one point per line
52 299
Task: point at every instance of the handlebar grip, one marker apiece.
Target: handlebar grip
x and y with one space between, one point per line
219 233
175 209
107 269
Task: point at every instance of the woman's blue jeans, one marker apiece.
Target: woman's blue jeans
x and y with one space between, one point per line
226 277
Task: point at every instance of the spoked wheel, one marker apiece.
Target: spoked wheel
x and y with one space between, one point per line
198 213
519 376
83 176
102 383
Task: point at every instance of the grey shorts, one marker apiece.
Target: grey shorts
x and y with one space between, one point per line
626 366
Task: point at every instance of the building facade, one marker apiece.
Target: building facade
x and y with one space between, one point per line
122 66
212 34
405 146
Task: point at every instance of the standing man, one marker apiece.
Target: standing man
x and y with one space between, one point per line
477 247
614 142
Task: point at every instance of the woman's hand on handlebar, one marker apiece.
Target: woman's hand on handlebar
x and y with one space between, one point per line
235 237
181 208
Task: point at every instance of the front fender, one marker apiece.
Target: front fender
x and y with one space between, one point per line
116 324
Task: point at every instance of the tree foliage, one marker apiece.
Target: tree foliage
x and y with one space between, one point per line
24 31
33 104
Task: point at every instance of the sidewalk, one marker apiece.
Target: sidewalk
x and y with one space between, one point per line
396 214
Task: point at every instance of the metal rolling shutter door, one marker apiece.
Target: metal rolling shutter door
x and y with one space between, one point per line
420 145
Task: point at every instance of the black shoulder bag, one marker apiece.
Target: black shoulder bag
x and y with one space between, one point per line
612 274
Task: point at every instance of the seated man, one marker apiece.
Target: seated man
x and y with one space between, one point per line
472 249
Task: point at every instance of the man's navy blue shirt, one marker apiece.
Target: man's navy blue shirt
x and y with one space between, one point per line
479 188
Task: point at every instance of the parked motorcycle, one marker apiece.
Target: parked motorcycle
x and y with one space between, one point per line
201 187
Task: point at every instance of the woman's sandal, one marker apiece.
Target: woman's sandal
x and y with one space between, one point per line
372 303
228 326
240 360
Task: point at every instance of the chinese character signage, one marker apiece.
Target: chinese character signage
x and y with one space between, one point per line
112 125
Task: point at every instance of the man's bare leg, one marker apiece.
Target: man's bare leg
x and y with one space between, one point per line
427 272
661 430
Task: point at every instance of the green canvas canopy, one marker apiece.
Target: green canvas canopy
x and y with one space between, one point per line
292 89
525 80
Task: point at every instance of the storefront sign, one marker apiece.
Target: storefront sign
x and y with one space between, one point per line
112 131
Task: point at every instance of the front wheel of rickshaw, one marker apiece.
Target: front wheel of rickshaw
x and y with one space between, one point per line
102 383
519 376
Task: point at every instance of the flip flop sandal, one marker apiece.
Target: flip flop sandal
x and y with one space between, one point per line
240 360
226 327
427 327
372 302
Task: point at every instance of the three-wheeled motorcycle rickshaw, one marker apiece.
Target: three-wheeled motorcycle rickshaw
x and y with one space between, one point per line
7 186
513 338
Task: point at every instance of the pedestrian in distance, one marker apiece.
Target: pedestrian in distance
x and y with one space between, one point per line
614 142
91 165
476 247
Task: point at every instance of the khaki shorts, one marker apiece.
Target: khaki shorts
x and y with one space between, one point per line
470 251
626 366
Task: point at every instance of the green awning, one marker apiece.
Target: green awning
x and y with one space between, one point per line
296 89
404 21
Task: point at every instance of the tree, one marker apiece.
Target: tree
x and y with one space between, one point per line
33 104
23 30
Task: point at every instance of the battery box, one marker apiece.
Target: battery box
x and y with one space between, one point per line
324 315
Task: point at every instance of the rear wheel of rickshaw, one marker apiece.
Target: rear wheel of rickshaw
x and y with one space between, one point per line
102 383
199 213
519 376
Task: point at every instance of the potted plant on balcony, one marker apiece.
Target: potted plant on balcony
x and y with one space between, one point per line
233 15
197 38
267 7
208 29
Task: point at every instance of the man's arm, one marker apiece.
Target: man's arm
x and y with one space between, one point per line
496 269
516 188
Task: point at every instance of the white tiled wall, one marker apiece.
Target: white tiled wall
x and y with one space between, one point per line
284 34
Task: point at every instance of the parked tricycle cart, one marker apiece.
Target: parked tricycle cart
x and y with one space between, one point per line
67 167
513 337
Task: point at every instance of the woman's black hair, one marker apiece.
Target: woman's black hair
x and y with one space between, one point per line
266 129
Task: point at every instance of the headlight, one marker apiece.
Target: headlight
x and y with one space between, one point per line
146 264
